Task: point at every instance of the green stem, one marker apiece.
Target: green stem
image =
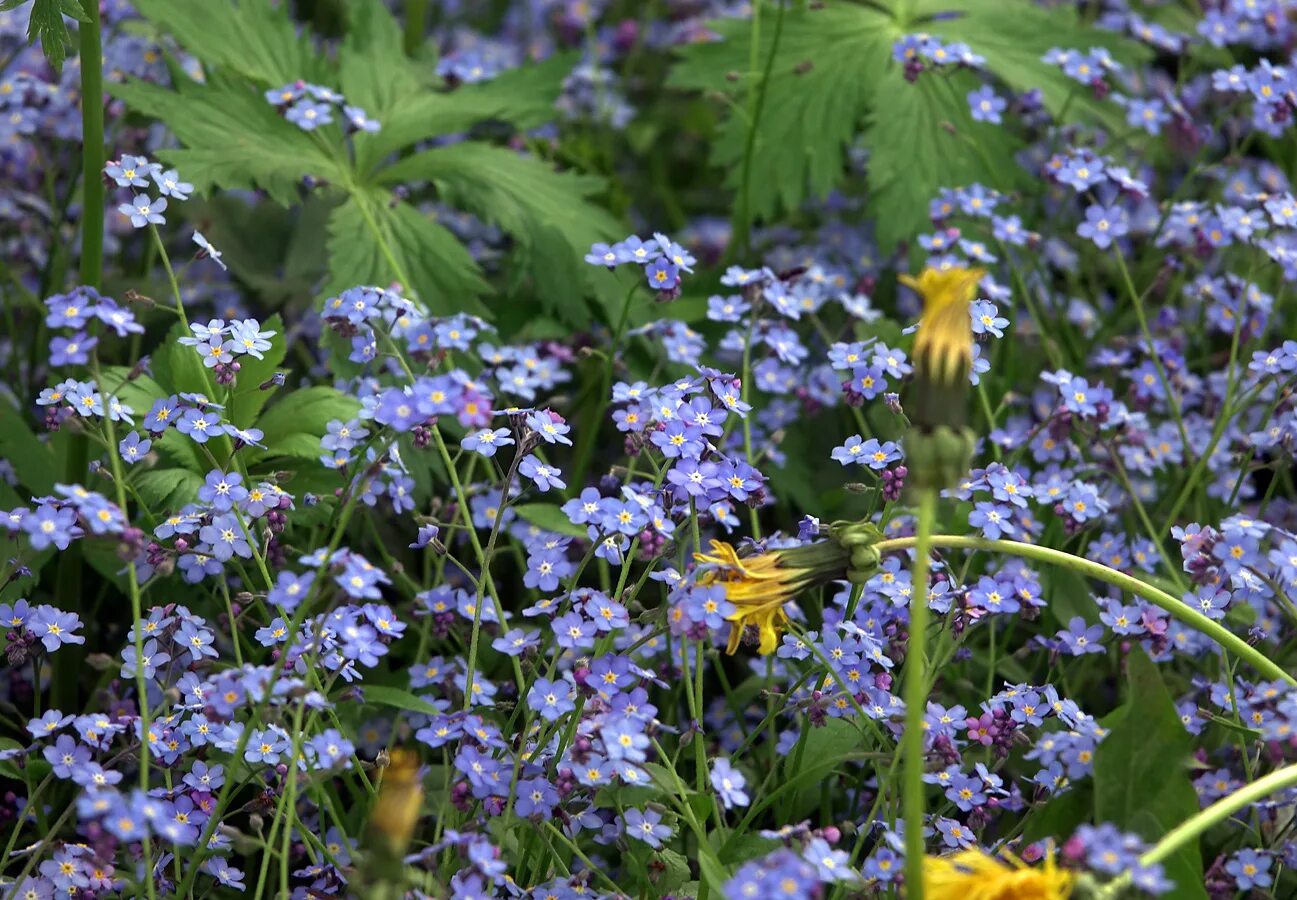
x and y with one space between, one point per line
1182 612
916 698
1172 401
1190 830
92 149
137 613
68 582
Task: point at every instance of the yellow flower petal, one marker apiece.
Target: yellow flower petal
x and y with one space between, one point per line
973 875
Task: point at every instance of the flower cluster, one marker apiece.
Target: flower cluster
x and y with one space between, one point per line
389 599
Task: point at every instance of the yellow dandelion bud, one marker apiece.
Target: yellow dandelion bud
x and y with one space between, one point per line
943 347
400 794
973 875
938 445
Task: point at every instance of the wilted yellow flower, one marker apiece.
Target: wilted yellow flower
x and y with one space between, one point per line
400 794
973 875
760 585
943 347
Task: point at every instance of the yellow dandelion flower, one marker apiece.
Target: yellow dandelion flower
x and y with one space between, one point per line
400 795
973 875
759 586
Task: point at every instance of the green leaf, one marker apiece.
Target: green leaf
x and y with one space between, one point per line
306 411
34 462
372 241
922 138
45 24
8 768
676 872
400 699
254 38
249 398
374 71
828 745
177 368
543 210
1141 780
232 137
278 252
292 446
1014 35
1067 594
523 97
165 490
833 69
1061 815
548 517
829 60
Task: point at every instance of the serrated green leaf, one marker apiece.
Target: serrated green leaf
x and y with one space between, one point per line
34 462
46 25
254 38
8 768
306 411
543 210
833 68
442 272
74 9
233 138
249 399
166 490
548 517
177 368
523 97
278 252
828 61
1013 35
1141 780
399 699
374 70
921 138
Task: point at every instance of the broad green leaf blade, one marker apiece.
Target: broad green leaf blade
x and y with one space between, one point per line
399 699
1141 780
523 97
166 490
306 411
549 517
46 25
372 241
35 463
276 251
921 138
254 38
374 70
249 398
828 62
543 210
1013 35
232 138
